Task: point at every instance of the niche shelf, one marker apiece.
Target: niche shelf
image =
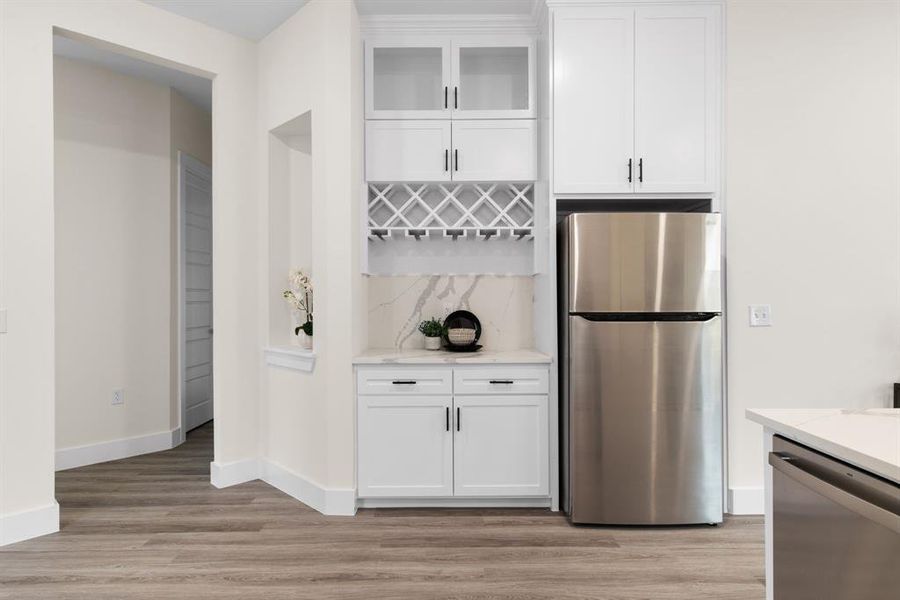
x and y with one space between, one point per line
450 227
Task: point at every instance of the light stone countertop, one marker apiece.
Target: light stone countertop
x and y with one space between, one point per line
868 439
419 356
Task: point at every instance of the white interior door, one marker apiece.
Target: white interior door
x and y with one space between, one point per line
405 446
676 98
593 100
498 150
196 293
500 446
407 151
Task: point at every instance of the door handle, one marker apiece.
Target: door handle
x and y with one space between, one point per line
784 464
641 170
457 418
404 382
456 159
446 160
447 418
629 170
455 96
502 381
445 96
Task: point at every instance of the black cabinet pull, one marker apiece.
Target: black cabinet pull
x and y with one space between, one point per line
503 381
446 160
445 96
455 97
456 160
629 170
404 382
641 170
447 418
457 418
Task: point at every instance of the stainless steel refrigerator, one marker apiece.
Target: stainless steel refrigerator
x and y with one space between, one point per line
641 368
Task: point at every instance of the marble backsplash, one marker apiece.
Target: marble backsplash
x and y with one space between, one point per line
503 304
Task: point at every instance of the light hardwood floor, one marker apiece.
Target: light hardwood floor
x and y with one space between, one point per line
152 527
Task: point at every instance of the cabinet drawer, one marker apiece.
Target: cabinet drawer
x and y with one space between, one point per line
401 381
501 380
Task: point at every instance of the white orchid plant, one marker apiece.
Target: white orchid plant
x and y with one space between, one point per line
299 296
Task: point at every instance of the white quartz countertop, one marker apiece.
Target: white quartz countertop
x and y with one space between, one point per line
868 439
391 356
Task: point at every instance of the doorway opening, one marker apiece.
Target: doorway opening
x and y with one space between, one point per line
133 254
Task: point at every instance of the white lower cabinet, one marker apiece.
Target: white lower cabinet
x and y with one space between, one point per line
489 444
405 446
500 446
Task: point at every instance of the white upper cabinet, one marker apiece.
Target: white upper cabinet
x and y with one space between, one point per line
593 110
441 79
676 82
504 150
408 79
636 99
493 79
408 151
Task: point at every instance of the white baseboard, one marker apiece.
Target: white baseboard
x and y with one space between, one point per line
746 501
328 501
90 454
20 526
454 502
223 475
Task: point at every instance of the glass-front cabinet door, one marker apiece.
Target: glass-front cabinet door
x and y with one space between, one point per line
408 79
493 79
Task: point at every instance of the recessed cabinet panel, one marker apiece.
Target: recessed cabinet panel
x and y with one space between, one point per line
408 80
593 100
500 446
501 150
408 151
405 446
494 80
675 83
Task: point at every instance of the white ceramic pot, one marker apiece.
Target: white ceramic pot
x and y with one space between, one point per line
432 343
305 340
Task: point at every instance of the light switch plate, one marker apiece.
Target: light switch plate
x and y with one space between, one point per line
760 315
2 320
118 397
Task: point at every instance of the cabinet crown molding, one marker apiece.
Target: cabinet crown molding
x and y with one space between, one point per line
586 3
376 25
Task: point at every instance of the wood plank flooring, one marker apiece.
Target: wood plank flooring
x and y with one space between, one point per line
152 527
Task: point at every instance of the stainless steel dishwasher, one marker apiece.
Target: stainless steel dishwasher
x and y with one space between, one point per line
836 528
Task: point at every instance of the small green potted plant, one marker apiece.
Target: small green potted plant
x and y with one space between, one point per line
432 329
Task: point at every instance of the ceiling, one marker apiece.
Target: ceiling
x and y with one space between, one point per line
251 19
196 89
255 19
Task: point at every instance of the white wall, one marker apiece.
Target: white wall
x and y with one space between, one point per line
813 203
112 254
313 63
27 383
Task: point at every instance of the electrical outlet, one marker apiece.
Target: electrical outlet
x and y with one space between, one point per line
118 397
760 315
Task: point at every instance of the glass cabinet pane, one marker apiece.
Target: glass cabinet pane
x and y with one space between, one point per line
493 78
408 78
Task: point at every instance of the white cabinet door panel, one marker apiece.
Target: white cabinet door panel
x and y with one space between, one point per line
405 446
676 103
500 446
494 78
407 150
593 100
407 78
495 150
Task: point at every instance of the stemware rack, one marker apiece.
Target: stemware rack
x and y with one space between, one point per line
451 210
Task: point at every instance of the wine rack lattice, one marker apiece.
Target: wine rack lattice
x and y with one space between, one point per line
454 210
